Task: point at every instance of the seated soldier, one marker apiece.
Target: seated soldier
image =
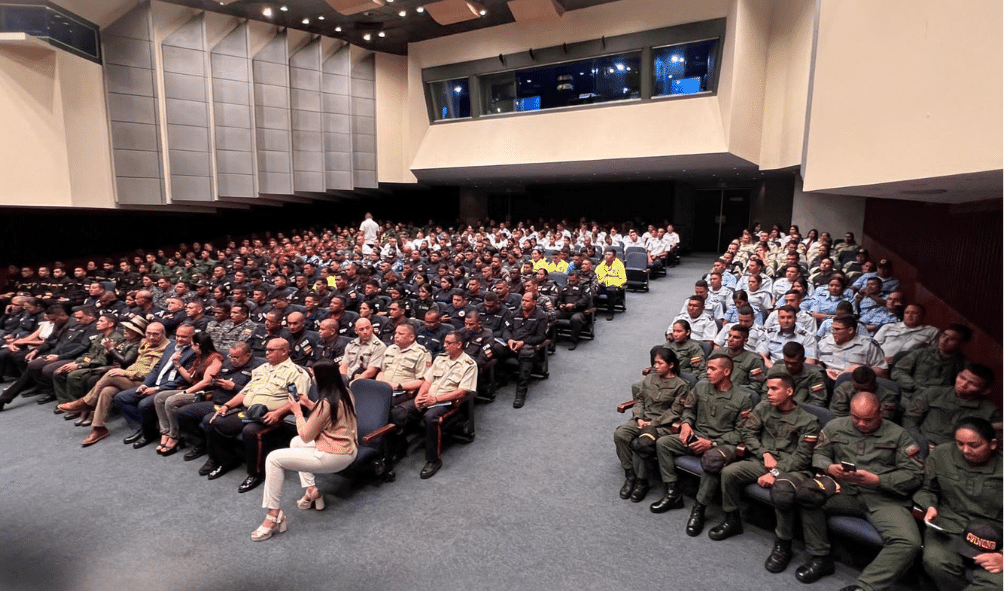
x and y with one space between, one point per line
771 348
450 379
457 309
719 295
712 415
824 301
364 354
779 437
863 379
909 334
876 467
702 326
430 335
933 413
878 316
844 350
746 317
106 339
330 345
809 380
573 301
303 342
826 327
689 353
269 386
658 402
933 366
404 362
478 343
748 367
529 331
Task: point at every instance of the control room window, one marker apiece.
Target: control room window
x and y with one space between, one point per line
451 99
684 69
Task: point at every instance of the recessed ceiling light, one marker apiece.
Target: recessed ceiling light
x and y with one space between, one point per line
338 29
403 13
367 37
381 34
483 12
306 21
420 9
267 13
320 18
284 8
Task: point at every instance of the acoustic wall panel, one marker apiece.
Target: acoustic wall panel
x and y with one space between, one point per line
336 120
270 73
183 54
232 122
132 97
363 108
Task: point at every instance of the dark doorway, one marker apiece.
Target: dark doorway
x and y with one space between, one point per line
719 216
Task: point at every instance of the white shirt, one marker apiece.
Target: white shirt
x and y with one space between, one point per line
369 228
897 337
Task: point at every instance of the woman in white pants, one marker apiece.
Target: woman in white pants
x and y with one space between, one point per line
326 443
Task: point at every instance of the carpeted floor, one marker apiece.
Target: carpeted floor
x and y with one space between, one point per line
530 504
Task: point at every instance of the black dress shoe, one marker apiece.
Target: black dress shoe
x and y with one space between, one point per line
218 471
250 483
197 452
141 442
430 469
133 438
695 525
69 416
208 468
519 401
817 568
573 345
629 482
33 391
46 399
779 557
57 410
639 491
673 499
732 526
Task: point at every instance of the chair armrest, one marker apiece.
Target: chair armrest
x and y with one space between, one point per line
368 439
622 407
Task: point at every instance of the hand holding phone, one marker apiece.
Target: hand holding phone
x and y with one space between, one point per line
848 466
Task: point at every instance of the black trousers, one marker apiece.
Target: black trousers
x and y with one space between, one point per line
431 418
226 435
577 320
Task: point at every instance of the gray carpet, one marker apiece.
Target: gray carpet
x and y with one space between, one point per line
530 504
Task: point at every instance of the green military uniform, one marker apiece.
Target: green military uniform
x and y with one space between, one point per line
787 436
840 404
890 453
747 368
712 415
72 385
810 386
659 400
961 493
690 355
923 368
933 413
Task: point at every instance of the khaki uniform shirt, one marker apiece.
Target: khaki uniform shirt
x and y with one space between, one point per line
359 356
269 384
447 375
860 350
404 365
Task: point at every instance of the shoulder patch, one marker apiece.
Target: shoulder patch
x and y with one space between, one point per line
746 413
696 360
812 440
912 449
817 387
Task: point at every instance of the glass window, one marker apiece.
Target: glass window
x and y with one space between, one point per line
684 69
596 80
451 99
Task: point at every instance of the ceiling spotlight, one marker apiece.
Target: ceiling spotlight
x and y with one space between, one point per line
403 13
381 34
283 8
338 29
483 12
420 9
306 21
320 18
367 37
267 13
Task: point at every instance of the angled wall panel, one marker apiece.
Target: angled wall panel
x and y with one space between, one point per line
364 124
132 108
184 59
337 120
232 121
305 100
270 71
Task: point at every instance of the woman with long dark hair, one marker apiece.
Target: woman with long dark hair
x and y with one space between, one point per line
325 443
206 364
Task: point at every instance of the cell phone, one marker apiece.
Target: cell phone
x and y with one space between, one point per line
292 390
692 438
848 467
934 527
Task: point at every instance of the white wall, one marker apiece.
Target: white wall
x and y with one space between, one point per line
391 87
905 89
835 214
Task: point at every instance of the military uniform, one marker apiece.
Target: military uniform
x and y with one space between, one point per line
702 328
217 332
926 367
445 375
787 436
747 368
775 340
893 455
690 355
961 493
840 404
359 355
404 365
933 413
67 386
810 385
897 337
478 346
333 351
658 400
500 323
578 295
432 340
713 415
860 350
302 345
803 320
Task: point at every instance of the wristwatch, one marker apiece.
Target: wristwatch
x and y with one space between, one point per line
774 472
